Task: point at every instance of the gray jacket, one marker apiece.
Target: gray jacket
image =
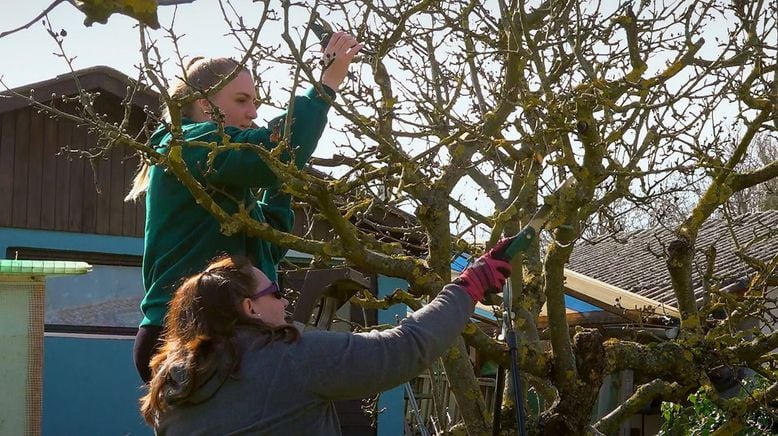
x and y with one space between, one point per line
288 389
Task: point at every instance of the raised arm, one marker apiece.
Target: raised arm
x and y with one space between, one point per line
244 168
343 366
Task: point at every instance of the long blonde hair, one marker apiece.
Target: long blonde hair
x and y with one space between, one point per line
201 73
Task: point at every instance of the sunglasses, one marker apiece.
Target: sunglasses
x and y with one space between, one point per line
272 289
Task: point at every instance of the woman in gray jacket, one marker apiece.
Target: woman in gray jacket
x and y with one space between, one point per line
231 364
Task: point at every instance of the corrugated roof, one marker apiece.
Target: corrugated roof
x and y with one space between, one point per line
634 261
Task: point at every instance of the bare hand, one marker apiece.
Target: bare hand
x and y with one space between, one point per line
337 57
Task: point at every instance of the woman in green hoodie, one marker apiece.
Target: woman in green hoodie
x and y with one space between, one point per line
181 236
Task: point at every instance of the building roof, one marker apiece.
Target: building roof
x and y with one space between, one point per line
90 79
634 261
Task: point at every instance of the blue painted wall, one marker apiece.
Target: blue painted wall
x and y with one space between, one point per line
90 387
391 422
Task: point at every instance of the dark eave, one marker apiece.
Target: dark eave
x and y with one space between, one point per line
100 78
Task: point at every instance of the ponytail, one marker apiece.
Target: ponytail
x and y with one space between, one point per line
140 183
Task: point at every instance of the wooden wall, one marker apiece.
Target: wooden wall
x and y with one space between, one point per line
41 188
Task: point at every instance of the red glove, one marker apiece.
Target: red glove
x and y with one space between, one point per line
487 275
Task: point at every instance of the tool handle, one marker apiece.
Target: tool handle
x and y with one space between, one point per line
520 242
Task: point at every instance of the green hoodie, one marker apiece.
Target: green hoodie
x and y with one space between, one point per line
182 237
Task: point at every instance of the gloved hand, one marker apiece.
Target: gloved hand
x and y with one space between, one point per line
487 275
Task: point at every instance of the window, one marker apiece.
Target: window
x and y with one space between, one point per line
105 300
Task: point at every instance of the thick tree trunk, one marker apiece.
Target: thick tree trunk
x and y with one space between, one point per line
680 255
578 366
571 413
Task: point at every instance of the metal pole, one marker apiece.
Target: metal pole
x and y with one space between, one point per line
498 391
510 337
415 408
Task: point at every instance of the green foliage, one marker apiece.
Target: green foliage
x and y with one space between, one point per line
702 416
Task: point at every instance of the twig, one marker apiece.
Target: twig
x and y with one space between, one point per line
48 9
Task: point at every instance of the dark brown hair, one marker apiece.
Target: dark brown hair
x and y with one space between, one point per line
200 330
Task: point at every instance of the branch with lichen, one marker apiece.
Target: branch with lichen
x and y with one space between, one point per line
530 360
643 396
658 360
681 250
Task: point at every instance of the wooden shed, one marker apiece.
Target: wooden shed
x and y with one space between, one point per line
43 187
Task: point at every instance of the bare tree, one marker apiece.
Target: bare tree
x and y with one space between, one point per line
470 113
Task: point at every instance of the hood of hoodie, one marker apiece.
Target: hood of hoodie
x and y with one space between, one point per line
207 386
207 383
160 135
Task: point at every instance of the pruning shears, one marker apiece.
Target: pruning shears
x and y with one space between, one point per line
324 31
